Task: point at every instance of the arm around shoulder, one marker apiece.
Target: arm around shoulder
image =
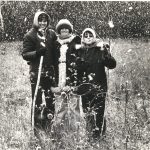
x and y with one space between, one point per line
53 34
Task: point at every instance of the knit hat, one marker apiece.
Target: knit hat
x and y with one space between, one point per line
64 23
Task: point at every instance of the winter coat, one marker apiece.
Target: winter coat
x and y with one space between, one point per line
91 65
71 57
31 44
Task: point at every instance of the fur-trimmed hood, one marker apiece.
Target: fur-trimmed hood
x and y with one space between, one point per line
64 23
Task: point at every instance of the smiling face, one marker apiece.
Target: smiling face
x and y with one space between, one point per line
64 32
42 22
88 37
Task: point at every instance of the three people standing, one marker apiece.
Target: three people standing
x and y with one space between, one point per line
83 64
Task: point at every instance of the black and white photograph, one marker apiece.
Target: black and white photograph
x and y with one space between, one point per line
74 75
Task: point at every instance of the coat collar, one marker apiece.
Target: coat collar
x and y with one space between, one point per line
65 41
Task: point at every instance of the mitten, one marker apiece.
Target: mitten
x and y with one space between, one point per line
41 51
106 49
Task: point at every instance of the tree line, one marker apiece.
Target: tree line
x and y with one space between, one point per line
130 18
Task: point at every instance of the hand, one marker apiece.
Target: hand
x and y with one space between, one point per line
66 88
100 45
41 51
106 48
56 89
103 46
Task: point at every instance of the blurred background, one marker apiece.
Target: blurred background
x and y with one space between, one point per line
130 18
125 25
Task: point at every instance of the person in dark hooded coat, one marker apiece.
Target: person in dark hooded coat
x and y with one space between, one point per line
94 56
39 41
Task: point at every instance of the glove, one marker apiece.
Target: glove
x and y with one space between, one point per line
103 46
106 49
106 46
41 51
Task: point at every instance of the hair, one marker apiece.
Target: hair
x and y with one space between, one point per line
41 16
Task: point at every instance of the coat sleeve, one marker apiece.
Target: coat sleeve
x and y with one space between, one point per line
53 34
29 51
108 60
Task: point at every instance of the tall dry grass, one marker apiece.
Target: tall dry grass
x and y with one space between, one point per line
127 106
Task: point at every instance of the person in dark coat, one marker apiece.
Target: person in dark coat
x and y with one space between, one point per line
66 41
94 56
39 41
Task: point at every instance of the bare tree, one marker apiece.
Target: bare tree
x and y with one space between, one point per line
1 16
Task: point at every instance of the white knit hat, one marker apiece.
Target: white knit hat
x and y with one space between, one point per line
64 23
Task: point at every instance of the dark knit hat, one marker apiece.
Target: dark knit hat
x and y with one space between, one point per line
64 23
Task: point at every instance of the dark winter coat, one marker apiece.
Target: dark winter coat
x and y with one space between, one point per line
71 57
31 44
92 62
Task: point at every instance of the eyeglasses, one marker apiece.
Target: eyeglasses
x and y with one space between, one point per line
88 35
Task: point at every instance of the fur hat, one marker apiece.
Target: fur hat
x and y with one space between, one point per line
64 23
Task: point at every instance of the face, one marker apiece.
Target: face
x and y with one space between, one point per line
42 23
64 32
88 37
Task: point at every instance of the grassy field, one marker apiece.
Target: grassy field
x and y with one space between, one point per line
127 106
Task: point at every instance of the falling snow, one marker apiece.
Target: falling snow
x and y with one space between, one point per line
126 23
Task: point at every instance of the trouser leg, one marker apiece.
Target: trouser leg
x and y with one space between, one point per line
99 115
41 113
94 107
49 96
